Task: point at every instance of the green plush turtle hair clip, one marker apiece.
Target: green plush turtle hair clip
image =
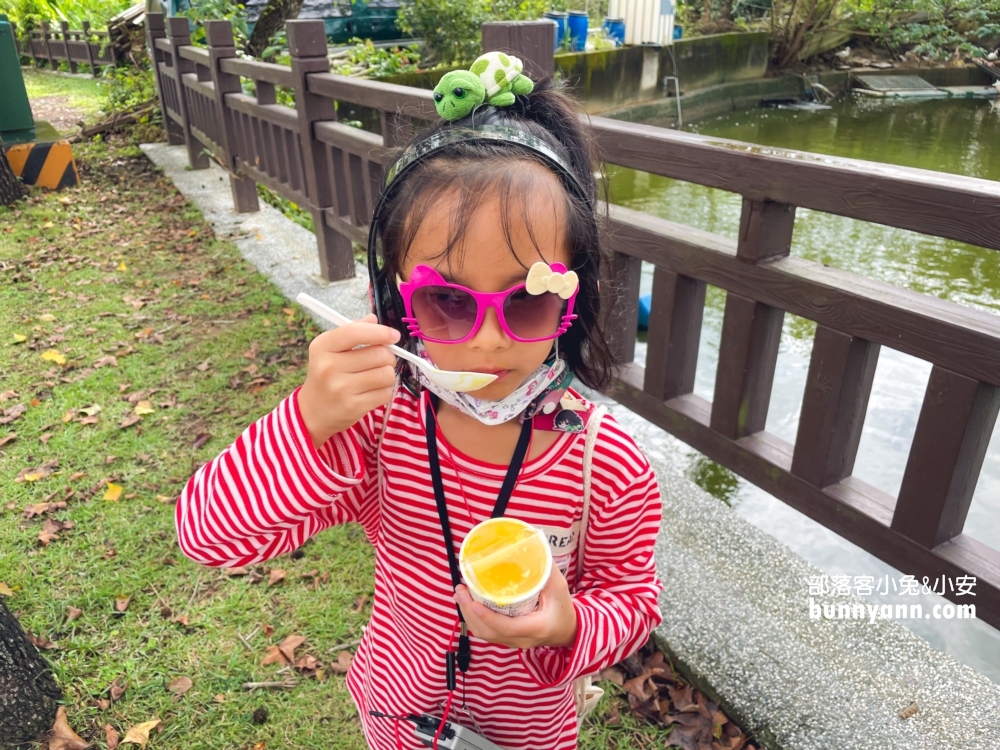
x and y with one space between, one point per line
494 77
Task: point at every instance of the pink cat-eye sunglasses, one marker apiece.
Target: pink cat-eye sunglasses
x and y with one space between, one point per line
446 313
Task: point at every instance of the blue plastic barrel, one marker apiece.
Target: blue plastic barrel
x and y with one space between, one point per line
578 30
678 32
645 301
615 28
559 17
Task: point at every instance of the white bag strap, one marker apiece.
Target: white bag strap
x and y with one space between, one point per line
593 426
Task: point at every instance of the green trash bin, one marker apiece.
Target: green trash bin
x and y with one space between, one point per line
16 123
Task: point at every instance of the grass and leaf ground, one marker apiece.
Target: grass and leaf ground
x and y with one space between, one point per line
63 100
134 346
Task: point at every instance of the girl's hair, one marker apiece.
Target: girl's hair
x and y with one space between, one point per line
476 170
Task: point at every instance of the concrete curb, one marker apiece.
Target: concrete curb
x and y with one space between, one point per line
735 600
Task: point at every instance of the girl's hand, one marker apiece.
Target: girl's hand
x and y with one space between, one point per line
344 383
553 623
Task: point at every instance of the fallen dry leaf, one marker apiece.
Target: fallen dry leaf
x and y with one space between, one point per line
131 419
284 652
203 367
45 437
40 641
38 472
91 410
359 604
54 355
10 437
108 361
277 575
15 411
51 528
113 492
139 734
72 613
115 690
5 590
37 509
344 659
202 438
61 737
274 656
7 395
179 685
121 603
143 408
111 735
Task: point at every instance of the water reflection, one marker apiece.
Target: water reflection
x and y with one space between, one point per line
957 136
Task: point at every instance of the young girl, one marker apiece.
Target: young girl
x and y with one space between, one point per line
484 257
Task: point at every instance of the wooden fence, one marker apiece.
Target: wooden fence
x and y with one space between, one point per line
335 171
51 46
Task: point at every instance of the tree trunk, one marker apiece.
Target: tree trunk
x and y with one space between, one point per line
271 21
11 188
28 693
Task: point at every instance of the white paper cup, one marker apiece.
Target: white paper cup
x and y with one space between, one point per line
512 606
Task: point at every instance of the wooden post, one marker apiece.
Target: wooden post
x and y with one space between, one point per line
155 29
953 432
620 297
675 317
531 41
219 35
179 31
751 331
48 51
307 46
64 28
838 386
90 50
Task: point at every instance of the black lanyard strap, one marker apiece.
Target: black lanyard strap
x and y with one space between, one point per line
442 506
464 656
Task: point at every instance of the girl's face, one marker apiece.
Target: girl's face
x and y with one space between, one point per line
486 263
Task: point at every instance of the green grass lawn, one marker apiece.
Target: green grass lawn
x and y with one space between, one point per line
83 94
117 295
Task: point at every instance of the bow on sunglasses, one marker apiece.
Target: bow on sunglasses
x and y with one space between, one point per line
538 310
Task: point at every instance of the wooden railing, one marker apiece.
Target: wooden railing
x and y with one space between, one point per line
48 45
335 171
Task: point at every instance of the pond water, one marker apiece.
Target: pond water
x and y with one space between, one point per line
959 136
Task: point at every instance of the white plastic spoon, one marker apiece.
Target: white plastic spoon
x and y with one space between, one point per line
453 381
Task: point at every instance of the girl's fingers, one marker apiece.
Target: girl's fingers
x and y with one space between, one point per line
496 628
358 333
364 359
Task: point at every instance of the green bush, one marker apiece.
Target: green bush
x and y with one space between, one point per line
934 28
217 10
364 58
451 28
28 14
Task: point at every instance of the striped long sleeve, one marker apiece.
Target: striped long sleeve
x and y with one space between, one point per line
272 489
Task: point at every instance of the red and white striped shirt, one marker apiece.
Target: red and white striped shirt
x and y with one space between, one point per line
271 490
